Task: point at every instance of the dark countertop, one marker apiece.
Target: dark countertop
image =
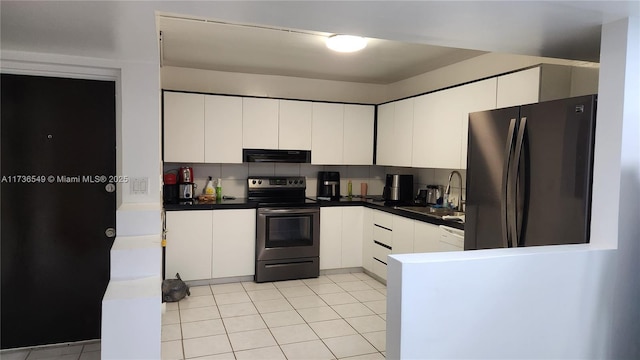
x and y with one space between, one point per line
237 203
377 203
374 202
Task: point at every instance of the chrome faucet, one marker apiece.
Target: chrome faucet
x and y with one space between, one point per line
448 191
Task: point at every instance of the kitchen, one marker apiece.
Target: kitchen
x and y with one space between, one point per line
126 196
354 163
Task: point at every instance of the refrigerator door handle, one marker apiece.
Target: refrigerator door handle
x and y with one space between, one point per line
514 181
504 196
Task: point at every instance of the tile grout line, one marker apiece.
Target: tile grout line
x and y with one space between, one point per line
287 299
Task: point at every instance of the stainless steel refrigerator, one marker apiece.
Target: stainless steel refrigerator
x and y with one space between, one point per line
529 174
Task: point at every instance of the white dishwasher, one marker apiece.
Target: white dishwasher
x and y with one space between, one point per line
451 239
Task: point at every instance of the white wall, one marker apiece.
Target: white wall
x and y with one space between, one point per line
480 67
522 303
554 302
208 81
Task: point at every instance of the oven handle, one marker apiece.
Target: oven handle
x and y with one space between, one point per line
286 211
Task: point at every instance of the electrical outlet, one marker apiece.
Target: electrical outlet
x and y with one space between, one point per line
139 186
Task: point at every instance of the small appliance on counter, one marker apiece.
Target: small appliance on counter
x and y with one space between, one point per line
398 189
170 188
328 185
186 186
430 195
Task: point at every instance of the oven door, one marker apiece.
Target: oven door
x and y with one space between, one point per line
287 233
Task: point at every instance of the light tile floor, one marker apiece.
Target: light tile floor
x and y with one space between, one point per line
75 351
331 317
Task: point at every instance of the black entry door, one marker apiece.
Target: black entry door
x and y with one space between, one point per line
58 155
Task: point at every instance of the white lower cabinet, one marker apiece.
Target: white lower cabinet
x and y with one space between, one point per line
341 237
188 250
426 237
206 244
367 238
402 235
234 243
330 237
382 242
352 236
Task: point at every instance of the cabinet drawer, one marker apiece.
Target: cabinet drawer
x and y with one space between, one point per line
380 252
383 235
379 269
383 219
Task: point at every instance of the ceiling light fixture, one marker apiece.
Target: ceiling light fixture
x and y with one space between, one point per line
346 43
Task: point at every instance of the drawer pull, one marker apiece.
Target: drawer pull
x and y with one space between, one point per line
382 227
383 245
380 261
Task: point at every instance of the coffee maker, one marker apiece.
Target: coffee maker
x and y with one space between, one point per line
398 189
186 186
170 188
328 185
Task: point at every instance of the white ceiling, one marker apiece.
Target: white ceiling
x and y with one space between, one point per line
201 44
125 31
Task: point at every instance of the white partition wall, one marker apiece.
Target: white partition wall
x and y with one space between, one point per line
552 302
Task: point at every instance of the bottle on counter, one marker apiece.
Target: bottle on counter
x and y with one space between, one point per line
219 189
209 189
349 188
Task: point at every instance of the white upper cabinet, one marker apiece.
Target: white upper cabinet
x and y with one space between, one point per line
223 129
358 134
519 88
342 134
543 83
441 123
327 134
478 96
183 127
294 129
260 123
395 133
384 148
437 132
403 132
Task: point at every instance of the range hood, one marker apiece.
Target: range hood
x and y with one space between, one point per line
276 156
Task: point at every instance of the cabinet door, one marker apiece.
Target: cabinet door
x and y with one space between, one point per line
384 148
234 243
519 88
403 133
358 134
426 237
402 235
223 129
183 127
352 236
260 123
478 96
295 125
438 130
367 238
188 250
327 134
330 238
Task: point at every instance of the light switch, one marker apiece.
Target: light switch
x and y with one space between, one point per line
139 186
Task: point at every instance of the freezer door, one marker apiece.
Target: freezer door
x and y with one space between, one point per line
558 158
490 150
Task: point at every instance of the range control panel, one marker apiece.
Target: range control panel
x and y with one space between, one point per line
276 182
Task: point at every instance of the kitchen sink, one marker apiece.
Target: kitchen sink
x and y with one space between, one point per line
431 211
